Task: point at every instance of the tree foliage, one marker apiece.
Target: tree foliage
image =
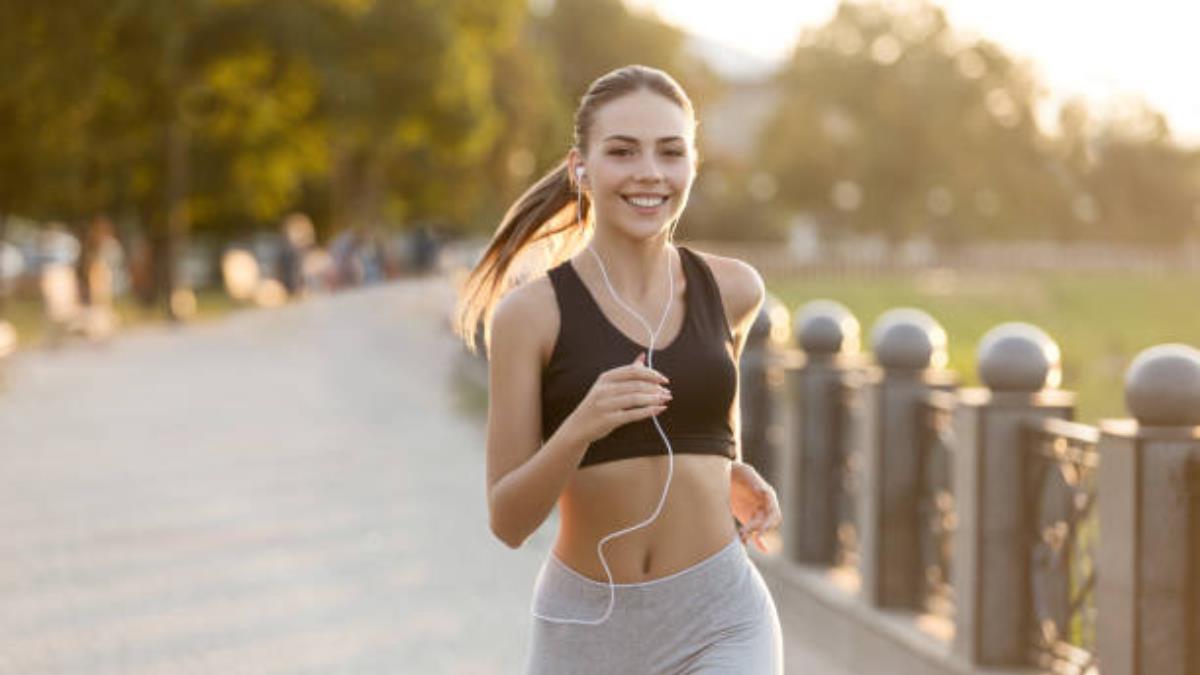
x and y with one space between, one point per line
217 117
889 121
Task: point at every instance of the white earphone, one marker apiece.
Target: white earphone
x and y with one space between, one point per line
580 172
653 333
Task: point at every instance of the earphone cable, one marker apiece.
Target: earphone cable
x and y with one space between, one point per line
612 594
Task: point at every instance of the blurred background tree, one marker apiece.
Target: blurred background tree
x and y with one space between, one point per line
214 118
890 122
587 38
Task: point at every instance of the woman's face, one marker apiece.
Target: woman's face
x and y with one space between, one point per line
640 163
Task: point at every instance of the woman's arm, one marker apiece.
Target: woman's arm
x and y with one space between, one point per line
523 480
742 294
753 501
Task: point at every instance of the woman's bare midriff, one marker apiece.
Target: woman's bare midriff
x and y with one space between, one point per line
695 521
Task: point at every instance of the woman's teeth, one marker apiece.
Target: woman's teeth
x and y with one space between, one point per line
646 202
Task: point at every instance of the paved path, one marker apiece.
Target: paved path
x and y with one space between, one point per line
285 491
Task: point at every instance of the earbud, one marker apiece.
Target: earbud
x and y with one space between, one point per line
579 172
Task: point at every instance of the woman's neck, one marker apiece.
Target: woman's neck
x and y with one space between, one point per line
637 269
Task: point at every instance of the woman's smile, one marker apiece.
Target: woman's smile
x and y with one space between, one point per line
646 203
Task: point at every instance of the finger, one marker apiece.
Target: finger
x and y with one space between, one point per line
758 541
770 517
759 517
630 401
634 414
636 387
776 516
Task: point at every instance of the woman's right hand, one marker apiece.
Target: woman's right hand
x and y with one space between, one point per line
619 396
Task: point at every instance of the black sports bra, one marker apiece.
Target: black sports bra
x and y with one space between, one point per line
699 362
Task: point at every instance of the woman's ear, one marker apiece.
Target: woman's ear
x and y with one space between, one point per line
576 172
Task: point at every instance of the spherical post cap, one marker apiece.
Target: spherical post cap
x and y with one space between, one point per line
771 322
827 327
1018 356
1162 386
907 338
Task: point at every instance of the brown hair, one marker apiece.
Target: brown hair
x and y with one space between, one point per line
546 213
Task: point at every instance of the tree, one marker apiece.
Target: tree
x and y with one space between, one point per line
887 121
588 38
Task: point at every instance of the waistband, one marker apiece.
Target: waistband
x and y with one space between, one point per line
562 592
733 548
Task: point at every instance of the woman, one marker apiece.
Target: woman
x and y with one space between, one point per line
614 395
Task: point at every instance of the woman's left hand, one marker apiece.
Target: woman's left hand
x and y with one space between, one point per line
754 504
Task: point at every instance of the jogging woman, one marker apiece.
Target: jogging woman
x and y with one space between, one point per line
613 364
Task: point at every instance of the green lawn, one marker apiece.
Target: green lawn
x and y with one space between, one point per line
1100 320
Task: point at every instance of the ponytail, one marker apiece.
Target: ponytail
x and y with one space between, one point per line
545 217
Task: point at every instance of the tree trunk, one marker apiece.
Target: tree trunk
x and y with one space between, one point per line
174 238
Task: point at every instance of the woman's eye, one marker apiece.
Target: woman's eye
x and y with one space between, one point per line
620 152
675 153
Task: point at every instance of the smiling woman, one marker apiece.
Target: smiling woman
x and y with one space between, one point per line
633 438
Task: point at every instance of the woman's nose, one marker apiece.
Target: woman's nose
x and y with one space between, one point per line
648 169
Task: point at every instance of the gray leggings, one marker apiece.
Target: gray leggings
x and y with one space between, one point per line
716 616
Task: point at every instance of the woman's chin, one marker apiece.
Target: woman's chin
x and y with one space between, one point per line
646 231
645 228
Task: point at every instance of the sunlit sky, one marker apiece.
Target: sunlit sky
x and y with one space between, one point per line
1104 50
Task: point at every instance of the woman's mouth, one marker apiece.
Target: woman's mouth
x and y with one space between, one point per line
645 203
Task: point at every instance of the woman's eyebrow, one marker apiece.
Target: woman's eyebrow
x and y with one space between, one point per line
631 139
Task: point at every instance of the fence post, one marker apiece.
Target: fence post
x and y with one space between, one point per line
828 334
1148 581
761 378
910 350
1020 367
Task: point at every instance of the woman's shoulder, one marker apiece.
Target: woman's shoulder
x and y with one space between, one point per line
741 285
528 311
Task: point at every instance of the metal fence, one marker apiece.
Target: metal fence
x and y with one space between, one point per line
982 507
1063 532
847 482
936 500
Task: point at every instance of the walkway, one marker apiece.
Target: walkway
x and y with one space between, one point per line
284 491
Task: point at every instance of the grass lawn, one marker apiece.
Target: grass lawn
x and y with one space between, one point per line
1101 320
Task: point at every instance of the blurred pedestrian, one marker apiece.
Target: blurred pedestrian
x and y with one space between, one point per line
344 254
100 258
58 254
424 249
299 236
